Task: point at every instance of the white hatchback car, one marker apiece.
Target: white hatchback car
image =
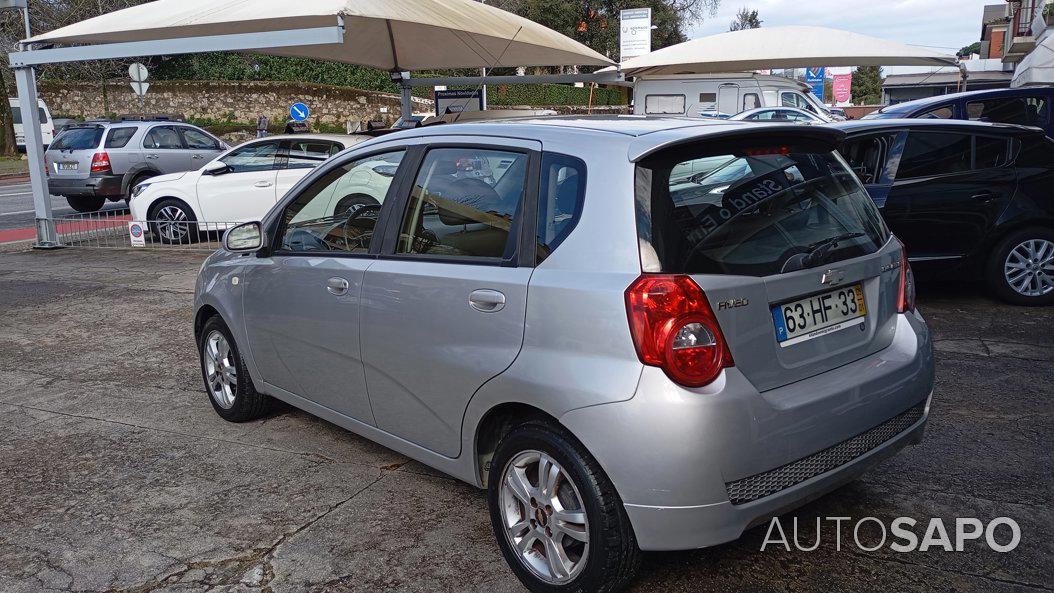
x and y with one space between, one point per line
240 185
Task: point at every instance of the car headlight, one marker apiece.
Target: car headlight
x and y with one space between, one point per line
139 189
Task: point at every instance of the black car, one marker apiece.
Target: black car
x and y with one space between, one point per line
1031 106
969 199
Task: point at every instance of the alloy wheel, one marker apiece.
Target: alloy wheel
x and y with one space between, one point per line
172 223
220 370
544 518
1029 268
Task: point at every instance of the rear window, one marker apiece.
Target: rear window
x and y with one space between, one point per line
119 137
78 139
761 212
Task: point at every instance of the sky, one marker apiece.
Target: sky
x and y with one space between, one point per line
942 25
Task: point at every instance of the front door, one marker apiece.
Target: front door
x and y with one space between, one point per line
949 191
302 309
443 311
245 191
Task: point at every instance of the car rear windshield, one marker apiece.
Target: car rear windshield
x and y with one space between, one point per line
752 212
78 139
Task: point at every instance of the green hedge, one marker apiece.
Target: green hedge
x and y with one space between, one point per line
227 66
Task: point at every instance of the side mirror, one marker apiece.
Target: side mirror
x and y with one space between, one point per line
244 238
216 168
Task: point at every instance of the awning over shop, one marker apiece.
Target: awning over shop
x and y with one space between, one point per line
388 34
781 47
1038 66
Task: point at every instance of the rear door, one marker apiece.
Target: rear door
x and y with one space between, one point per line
874 158
949 191
163 150
443 308
246 190
791 252
728 99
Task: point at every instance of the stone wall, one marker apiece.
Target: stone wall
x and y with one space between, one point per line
224 101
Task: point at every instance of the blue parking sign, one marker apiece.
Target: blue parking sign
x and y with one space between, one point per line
299 112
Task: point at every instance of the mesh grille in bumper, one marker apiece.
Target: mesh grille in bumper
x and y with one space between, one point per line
770 482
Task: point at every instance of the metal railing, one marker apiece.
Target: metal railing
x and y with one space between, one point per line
1023 18
116 230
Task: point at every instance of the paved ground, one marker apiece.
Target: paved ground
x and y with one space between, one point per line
16 206
117 476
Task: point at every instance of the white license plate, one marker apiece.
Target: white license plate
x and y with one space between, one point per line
68 166
819 315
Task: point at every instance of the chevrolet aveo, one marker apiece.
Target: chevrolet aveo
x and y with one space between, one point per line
627 357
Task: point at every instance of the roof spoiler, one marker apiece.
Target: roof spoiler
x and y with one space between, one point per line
649 145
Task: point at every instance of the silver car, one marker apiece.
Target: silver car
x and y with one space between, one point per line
625 363
94 162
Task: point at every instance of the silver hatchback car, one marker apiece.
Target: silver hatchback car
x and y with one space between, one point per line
625 357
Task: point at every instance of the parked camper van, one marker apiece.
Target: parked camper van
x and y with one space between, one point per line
47 126
700 94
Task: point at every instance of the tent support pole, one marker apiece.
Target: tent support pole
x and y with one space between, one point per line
26 82
406 101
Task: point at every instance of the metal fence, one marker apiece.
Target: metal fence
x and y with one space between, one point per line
116 230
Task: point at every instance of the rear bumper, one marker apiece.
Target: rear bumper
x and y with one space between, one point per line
106 186
696 468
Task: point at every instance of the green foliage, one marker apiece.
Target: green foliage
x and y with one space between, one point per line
973 48
867 85
745 19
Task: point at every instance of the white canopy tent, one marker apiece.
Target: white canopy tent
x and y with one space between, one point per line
1038 66
394 35
781 47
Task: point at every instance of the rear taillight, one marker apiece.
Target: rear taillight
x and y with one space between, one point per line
906 297
100 163
675 329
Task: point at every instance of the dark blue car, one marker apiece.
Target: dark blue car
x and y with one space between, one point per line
1024 106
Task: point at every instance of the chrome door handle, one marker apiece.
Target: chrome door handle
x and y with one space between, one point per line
152 157
985 196
338 286
264 184
197 157
487 301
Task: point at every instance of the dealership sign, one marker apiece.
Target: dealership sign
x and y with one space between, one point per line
635 37
815 77
843 87
458 101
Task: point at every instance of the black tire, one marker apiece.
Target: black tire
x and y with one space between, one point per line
354 202
181 232
248 404
86 204
613 557
995 274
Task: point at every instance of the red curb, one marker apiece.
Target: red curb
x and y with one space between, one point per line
73 226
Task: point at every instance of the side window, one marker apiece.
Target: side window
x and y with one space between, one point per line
1037 152
119 137
664 104
163 138
867 156
463 203
707 100
339 210
562 195
790 100
991 153
1026 111
308 154
935 153
198 140
751 101
943 112
254 157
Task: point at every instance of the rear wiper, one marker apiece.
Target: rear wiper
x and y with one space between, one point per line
819 252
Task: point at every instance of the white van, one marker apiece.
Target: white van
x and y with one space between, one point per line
47 125
693 95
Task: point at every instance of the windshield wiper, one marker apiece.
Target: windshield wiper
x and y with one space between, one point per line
819 252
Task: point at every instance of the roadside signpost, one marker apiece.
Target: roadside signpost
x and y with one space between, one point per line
299 111
139 75
635 32
816 77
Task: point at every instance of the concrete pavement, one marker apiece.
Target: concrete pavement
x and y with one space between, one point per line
117 475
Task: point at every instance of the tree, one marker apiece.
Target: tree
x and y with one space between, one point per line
973 48
867 85
745 19
595 23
